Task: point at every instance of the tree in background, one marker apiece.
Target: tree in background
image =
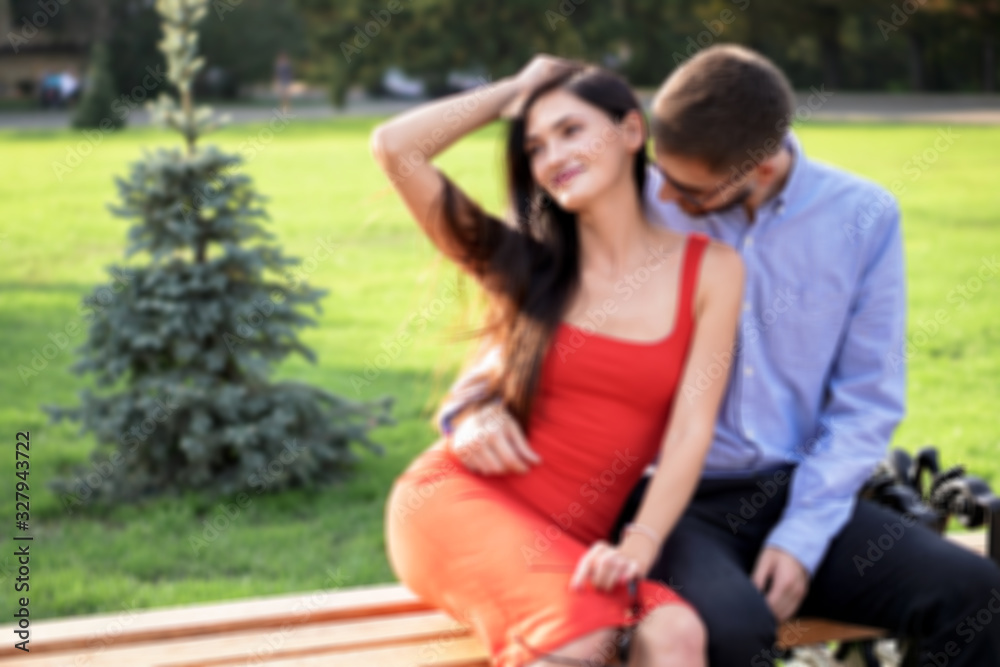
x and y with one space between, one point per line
99 94
355 41
184 345
846 44
239 38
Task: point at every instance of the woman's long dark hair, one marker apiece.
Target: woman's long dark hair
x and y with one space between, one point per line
532 273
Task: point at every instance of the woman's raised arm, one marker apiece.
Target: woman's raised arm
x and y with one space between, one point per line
405 145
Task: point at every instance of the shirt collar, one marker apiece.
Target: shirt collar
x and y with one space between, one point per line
779 202
795 174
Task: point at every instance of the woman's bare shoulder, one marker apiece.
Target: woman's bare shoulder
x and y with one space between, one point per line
722 270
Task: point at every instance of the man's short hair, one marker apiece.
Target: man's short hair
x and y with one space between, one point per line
724 105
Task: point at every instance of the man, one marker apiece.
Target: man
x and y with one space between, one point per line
816 390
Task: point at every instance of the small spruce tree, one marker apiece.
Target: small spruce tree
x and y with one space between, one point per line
184 345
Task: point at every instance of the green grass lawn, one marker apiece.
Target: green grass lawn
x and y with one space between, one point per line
56 237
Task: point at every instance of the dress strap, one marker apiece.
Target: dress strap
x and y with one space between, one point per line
693 252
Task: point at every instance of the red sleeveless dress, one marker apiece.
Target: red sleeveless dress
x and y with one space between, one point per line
497 552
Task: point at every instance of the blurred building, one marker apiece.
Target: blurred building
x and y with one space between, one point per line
36 44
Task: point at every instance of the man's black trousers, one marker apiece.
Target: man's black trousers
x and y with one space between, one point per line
882 570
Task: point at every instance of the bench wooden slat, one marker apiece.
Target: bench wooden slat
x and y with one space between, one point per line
378 625
193 620
972 541
806 631
262 645
464 652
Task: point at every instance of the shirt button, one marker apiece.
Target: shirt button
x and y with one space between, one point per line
748 371
749 432
749 243
746 305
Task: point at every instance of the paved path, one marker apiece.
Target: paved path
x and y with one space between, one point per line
903 108
941 109
50 118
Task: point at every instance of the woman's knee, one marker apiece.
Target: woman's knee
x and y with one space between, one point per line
596 649
672 635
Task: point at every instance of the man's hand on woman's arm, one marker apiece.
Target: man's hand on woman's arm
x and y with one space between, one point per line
490 442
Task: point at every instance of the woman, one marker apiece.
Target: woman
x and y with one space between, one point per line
521 557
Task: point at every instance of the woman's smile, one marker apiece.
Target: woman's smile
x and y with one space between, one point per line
564 176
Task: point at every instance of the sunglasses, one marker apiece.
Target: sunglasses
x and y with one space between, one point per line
622 639
697 198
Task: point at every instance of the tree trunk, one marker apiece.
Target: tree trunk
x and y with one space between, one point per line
102 21
989 62
829 43
6 20
915 60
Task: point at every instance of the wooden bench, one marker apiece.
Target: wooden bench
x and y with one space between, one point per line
379 626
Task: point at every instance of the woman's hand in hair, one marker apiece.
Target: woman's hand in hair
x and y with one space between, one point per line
539 69
490 442
405 147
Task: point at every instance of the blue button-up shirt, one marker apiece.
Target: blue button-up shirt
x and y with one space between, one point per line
818 378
